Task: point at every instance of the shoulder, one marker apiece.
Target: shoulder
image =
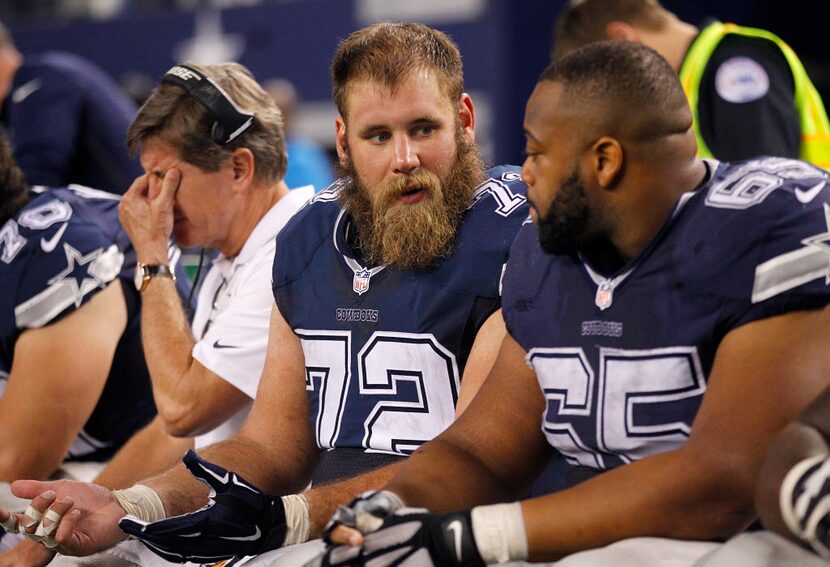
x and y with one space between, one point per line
68 65
780 188
744 68
499 206
61 258
760 229
305 232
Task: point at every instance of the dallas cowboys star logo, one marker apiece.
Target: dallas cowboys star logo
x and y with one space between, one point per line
79 275
822 240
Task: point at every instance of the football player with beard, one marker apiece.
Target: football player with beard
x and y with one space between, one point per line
387 319
666 316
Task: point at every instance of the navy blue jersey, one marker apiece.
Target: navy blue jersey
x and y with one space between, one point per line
385 348
67 121
61 249
623 360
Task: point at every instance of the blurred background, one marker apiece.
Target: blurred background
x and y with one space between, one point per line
504 43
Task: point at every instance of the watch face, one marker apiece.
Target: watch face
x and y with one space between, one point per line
139 276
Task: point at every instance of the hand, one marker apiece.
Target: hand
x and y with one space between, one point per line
363 515
148 218
238 520
87 514
26 553
803 498
411 536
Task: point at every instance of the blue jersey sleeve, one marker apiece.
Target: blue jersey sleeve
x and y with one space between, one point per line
781 252
62 266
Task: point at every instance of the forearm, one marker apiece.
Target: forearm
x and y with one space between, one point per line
148 452
181 492
168 343
324 500
666 495
443 476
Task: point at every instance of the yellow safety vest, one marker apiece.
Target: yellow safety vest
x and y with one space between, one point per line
815 129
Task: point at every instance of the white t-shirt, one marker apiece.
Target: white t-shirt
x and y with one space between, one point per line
233 312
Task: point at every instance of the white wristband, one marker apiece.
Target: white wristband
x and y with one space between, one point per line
142 502
499 532
296 519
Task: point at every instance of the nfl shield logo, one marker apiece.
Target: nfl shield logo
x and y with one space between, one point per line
605 295
360 284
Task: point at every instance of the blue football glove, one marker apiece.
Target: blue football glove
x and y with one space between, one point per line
411 536
238 520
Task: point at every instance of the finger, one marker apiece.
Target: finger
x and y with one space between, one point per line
344 535
8 520
213 475
66 530
30 489
51 519
31 517
139 186
169 186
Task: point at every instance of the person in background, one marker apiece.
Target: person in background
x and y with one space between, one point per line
308 163
749 92
66 119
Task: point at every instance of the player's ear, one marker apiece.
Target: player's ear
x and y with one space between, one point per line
242 162
467 114
621 30
607 161
340 140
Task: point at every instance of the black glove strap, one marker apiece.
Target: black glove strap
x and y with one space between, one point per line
452 541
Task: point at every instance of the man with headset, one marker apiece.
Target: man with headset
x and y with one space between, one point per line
213 179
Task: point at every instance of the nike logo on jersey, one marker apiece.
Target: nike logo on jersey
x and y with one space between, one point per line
22 92
217 344
805 197
49 244
457 531
255 536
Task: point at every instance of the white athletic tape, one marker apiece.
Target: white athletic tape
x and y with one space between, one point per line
42 529
499 532
34 517
296 519
46 532
142 502
52 516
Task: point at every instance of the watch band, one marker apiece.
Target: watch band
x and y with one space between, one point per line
149 271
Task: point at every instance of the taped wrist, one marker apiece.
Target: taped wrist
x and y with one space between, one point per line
296 519
142 502
499 532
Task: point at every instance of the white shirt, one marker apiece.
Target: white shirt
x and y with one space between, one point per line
233 312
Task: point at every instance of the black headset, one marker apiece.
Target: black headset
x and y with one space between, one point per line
229 120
